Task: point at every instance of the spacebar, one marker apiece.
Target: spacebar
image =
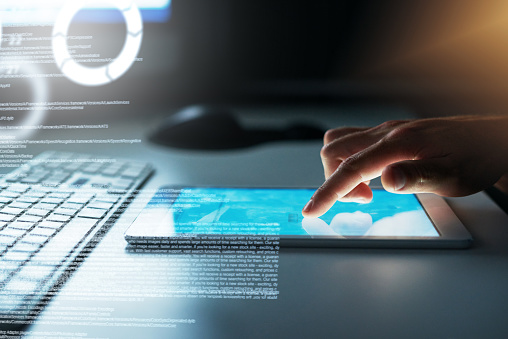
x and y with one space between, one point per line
59 247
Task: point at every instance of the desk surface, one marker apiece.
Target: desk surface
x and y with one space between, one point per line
352 293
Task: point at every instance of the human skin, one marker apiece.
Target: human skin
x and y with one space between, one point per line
451 156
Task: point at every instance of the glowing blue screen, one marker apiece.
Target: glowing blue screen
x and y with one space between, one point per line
278 211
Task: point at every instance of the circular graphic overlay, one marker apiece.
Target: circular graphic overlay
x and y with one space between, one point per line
39 88
97 76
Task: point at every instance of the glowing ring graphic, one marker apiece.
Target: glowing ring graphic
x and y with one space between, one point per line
97 76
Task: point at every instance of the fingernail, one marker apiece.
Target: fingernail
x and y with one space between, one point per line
308 206
399 179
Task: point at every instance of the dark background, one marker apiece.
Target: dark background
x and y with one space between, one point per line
454 52
437 57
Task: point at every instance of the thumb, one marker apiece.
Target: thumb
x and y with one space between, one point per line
415 176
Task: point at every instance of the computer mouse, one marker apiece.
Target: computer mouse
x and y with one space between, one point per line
213 128
200 127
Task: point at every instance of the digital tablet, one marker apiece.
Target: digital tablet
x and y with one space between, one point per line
390 220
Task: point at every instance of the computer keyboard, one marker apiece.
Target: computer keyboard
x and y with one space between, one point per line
52 212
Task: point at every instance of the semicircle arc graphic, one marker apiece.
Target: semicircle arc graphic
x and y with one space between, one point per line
97 76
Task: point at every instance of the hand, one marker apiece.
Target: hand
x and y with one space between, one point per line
454 156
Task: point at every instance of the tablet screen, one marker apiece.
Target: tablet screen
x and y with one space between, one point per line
253 211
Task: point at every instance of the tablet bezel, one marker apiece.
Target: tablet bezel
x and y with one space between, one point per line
452 233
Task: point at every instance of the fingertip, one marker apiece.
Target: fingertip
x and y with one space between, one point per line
308 207
316 207
309 210
393 179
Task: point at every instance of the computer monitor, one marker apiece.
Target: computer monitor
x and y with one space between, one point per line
198 51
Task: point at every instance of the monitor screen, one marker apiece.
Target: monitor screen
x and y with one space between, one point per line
33 12
198 51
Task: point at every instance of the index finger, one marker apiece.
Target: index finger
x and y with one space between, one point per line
362 166
337 133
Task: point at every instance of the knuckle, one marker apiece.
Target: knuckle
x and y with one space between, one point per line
422 177
337 133
404 133
434 177
350 165
327 151
333 134
387 125
329 136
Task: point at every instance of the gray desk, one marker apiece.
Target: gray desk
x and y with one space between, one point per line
347 293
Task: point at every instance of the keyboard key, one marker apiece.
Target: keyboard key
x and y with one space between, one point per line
58 217
5 200
44 206
20 287
71 206
29 218
53 181
21 225
111 171
35 194
123 183
32 271
65 211
72 167
132 173
6 240
4 274
18 188
92 213
12 232
52 164
51 200
117 191
34 239
24 247
33 179
100 184
37 212
51 224
19 204
15 178
92 168
27 199
47 232
60 177
11 265
9 194
80 198
16 256
59 195
79 182
6 217
12 210
108 198
100 205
